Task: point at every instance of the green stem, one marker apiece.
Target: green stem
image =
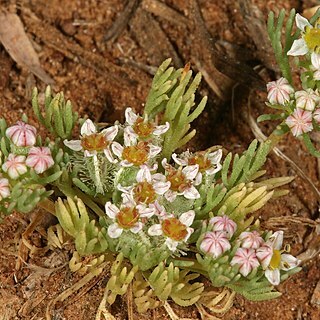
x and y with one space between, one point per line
310 145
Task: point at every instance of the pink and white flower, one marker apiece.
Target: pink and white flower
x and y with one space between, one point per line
208 162
251 240
247 260
15 166
128 218
141 128
147 188
22 134
300 121
273 259
40 159
307 99
300 47
176 231
135 154
93 142
4 188
279 91
315 60
182 181
223 223
215 243
316 115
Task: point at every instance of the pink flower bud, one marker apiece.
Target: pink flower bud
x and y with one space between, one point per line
246 259
300 121
251 240
15 166
22 134
279 91
4 188
307 99
40 159
223 223
215 243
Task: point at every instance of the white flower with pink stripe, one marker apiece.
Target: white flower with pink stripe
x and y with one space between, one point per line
15 166
39 159
251 240
215 243
22 134
279 91
299 122
223 223
246 259
4 188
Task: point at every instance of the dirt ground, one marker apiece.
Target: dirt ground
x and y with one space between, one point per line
102 55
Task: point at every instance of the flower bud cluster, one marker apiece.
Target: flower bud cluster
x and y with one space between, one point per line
252 252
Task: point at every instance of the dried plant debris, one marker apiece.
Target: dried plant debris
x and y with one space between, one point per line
18 45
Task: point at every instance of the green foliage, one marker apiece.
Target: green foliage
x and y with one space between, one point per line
57 115
74 219
173 92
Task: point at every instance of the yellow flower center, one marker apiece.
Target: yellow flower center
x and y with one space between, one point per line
201 160
137 155
94 142
144 192
178 180
143 128
127 217
312 38
173 228
275 260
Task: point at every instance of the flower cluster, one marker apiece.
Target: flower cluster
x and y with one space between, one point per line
252 252
24 156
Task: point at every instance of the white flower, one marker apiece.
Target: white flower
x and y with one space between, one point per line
135 154
22 134
300 121
251 240
246 259
307 99
215 243
15 166
183 181
141 128
4 188
224 223
273 259
148 186
126 218
40 159
208 162
315 60
300 47
175 230
93 142
279 91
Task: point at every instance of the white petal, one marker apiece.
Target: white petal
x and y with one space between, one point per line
191 193
302 22
88 128
130 137
299 48
144 174
155 230
89 154
153 150
109 155
315 60
126 164
124 189
111 210
179 161
161 129
110 133
170 195
114 231
273 276
137 227
187 218
146 212
276 239
161 187
288 262
117 149
191 171
131 117
171 244
198 179
73 144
